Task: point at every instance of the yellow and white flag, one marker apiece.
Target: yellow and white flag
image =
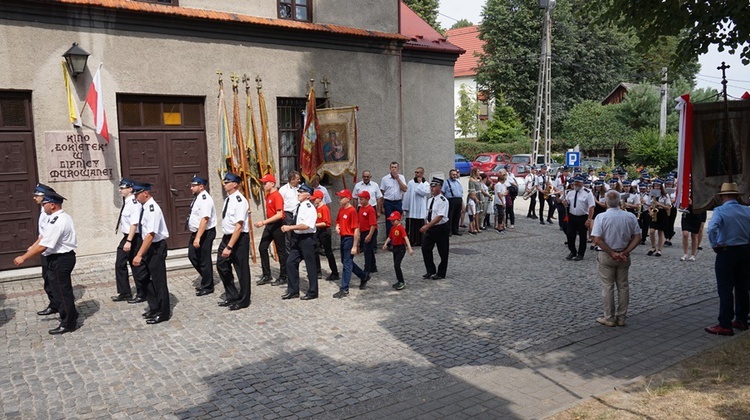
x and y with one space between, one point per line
73 113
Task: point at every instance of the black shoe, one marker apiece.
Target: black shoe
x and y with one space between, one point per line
578 258
644 243
437 277
137 299
150 314
533 217
341 294
121 297
457 233
591 247
203 292
280 282
570 256
266 279
668 243
528 216
541 222
549 221
237 307
333 277
47 311
227 302
374 270
427 275
288 296
61 330
363 284
157 319
320 276
308 297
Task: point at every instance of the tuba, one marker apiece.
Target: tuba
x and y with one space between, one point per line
529 192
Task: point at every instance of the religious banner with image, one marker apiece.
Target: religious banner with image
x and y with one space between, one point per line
338 132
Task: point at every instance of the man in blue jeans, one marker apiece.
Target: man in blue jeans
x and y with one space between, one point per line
347 225
393 186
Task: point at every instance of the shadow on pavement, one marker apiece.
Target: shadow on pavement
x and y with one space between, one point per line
6 314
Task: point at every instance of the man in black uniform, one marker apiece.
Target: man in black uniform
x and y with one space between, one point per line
303 246
127 224
436 232
234 249
38 196
201 223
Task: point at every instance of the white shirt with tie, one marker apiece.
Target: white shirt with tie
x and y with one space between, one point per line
437 205
307 215
201 207
131 212
579 202
235 210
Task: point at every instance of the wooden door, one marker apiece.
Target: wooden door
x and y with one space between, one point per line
18 176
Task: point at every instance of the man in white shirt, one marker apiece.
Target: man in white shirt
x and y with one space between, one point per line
543 180
393 187
234 249
315 184
366 184
152 255
127 224
415 206
201 223
616 232
436 232
560 184
580 204
531 186
303 246
288 192
38 197
57 245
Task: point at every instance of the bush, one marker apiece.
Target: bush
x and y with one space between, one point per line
644 147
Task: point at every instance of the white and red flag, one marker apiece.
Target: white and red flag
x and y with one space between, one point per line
684 151
95 101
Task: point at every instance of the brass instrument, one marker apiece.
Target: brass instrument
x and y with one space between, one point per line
547 190
528 192
624 201
654 211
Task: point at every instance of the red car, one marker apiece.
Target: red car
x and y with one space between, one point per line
486 161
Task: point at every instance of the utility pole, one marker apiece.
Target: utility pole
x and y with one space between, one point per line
663 110
544 87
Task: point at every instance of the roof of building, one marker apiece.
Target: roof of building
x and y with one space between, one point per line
468 39
618 93
422 36
169 10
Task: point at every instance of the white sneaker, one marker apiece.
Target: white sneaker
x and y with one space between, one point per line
684 258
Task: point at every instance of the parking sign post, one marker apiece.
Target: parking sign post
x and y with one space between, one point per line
573 159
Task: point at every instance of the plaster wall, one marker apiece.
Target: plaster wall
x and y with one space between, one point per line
163 65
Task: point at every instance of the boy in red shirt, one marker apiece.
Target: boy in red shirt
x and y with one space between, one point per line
323 235
272 232
399 240
368 228
347 225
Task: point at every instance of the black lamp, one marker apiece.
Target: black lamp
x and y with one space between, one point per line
76 58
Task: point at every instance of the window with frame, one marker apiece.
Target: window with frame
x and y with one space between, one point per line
296 10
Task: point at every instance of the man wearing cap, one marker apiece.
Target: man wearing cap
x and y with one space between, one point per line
152 255
38 197
347 225
234 249
323 235
542 181
454 192
288 192
127 224
417 191
580 205
392 186
58 246
272 231
368 229
729 236
436 232
531 186
303 246
644 219
560 185
201 223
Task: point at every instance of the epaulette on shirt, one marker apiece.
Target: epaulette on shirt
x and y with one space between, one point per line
309 205
239 198
442 197
151 207
587 190
204 196
54 219
135 201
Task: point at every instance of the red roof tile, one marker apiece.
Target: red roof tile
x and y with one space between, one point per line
422 36
168 10
468 39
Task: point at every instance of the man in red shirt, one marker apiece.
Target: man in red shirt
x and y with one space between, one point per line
272 231
323 235
347 225
399 241
368 228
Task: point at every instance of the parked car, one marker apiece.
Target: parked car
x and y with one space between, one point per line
462 164
595 162
526 159
486 161
518 170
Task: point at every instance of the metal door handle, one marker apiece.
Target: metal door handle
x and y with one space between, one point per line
173 190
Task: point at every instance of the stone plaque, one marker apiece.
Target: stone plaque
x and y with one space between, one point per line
78 156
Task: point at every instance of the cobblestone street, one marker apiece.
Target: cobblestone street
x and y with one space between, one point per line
510 333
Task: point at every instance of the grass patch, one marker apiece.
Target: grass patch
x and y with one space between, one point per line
711 385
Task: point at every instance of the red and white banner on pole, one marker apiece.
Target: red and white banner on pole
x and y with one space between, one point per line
95 101
684 151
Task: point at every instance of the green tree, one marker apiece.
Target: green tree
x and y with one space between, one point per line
640 107
697 23
588 58
463 23
506 128
647 148
594 126
663 53
427 10
467 111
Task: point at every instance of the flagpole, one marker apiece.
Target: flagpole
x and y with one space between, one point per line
241 166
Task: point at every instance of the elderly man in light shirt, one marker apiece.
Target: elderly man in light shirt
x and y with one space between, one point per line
617 233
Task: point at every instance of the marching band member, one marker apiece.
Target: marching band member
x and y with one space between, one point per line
661 204
644 219
531 185
672 193
580 204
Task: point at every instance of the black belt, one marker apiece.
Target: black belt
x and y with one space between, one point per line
730 247
303 235
53 256
392 201
207 230
576 215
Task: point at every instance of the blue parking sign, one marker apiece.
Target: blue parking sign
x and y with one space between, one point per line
573 159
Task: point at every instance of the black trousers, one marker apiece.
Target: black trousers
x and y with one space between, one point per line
645 222
398 255
155 278
323 237
59 267
532 205
437 235
273 233
47 286
201 258
669 232
732 281
368 250
577 227
455 205
562 211
541 206
510 212
238 258
125 259
303 247
412 229
288 220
